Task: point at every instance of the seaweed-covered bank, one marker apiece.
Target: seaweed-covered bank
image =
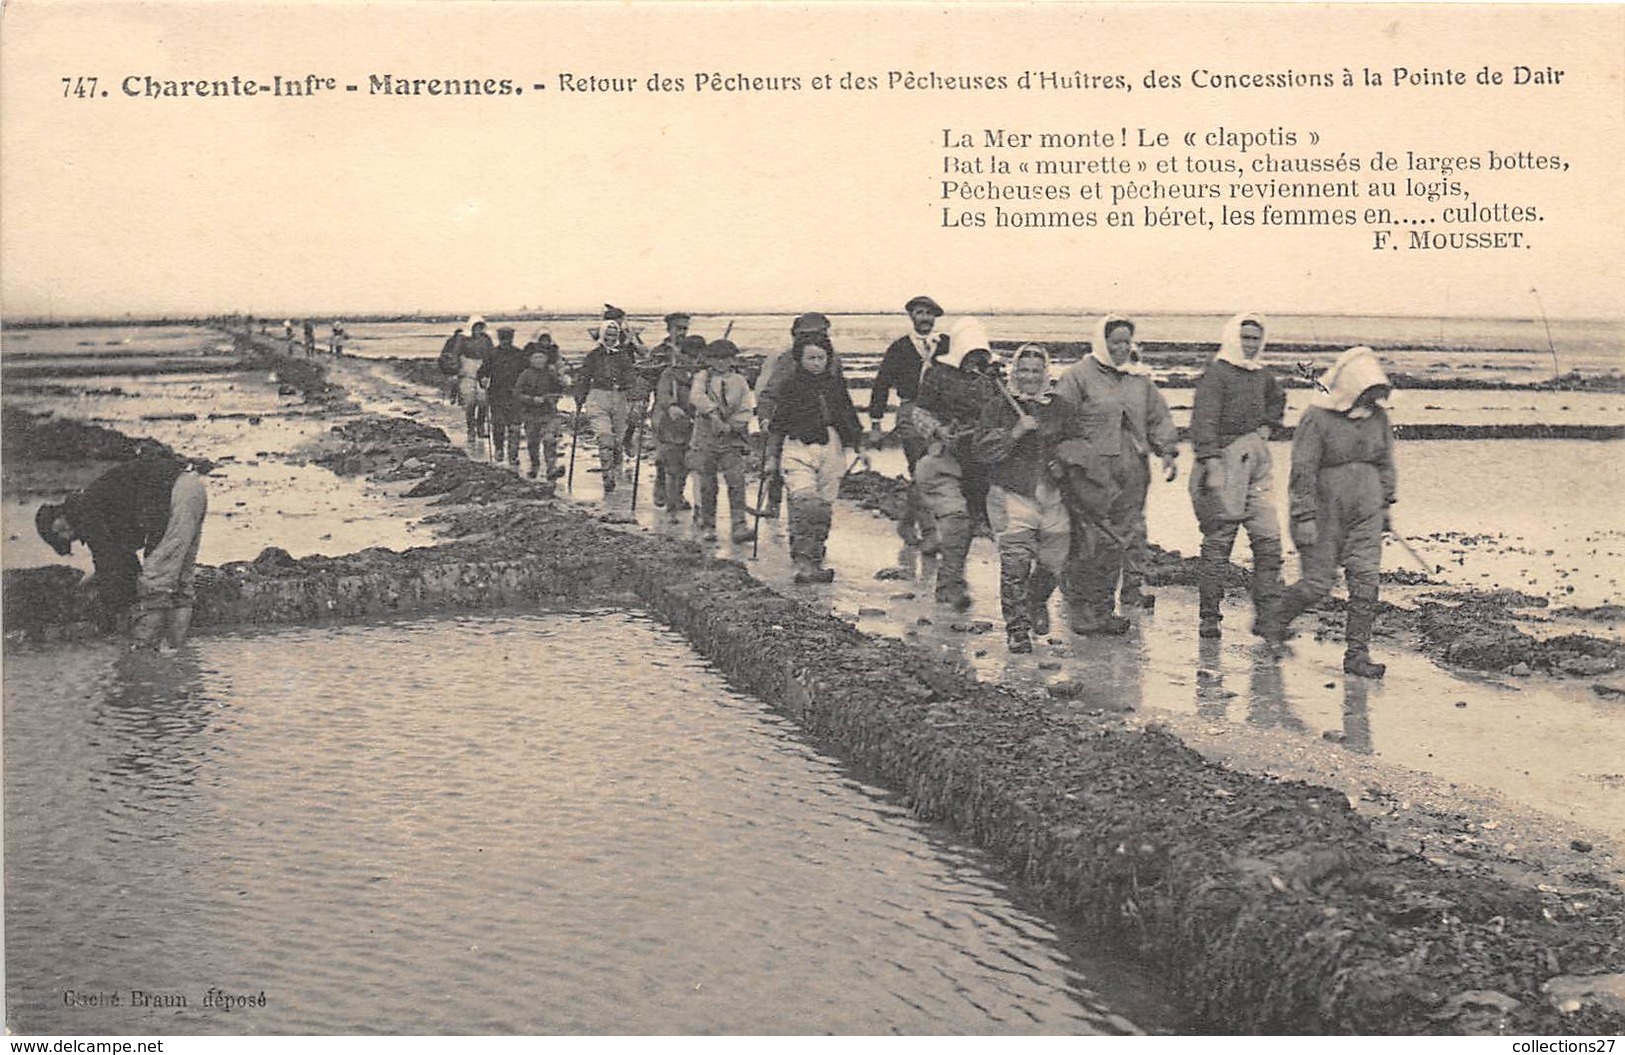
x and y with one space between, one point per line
1268 906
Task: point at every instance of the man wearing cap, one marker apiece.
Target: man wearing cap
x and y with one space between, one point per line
723 404
497 373
650 368
155 503
674 424
900 369
605 388
536 393
778 367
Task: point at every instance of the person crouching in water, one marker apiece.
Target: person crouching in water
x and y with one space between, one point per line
819 426
155 503
723 405
674 423
498 373
1342 484
951 484
536 396
1123 418
1024 503
1238 404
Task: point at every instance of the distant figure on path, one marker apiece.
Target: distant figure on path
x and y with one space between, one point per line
156 503
471 352
310 340
447 363
498 373
336 343
536 393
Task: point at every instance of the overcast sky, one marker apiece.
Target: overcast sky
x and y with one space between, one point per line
354 202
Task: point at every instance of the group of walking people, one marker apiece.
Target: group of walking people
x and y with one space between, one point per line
1055 468
335 340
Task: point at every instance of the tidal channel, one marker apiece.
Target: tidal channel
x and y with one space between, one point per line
562 822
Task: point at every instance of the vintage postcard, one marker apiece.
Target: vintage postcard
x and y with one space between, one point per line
855 518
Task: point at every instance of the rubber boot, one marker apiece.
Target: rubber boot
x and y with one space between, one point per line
1293 603
1040 586
1133 594
1362 613
659 489
147 628
1267 589
1092 612
676 482
1015 575
810 520
954 531
1210 595
741 531
775 497
908 525
178 624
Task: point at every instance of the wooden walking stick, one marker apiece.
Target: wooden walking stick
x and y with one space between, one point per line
637 461
761 489
575 441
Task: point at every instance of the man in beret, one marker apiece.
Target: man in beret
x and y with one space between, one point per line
651 366
723 403
900 369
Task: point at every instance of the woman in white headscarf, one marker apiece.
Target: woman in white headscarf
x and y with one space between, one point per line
1238 404
1123 419
1342 484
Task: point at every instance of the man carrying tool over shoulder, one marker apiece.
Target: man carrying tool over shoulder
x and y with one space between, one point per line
901 368
660 358
951 484
606 387
155 503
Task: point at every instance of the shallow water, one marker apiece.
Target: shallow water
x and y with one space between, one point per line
550 823
263 491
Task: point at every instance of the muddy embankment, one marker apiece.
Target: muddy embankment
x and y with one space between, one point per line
1266 906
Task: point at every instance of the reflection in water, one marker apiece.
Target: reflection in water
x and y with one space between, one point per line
537 824
1267 704
1212 698
1356 718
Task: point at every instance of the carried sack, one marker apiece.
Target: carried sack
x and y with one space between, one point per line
1086 479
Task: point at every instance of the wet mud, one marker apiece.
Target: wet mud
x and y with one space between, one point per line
1269 906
